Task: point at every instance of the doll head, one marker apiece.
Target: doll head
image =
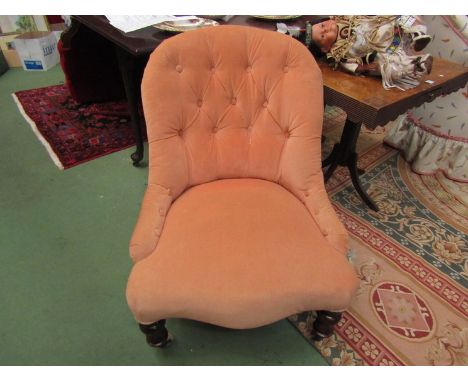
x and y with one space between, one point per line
324 34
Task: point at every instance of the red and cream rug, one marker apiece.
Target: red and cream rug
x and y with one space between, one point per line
412 259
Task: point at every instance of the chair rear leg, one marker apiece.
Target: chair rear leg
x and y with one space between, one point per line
156 334
324 324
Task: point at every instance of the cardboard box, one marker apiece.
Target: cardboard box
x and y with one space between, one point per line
57 35
6 41
37 50
3 64
12 58
6 45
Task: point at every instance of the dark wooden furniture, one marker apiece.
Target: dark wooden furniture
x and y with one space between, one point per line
133 50
366 102
89 65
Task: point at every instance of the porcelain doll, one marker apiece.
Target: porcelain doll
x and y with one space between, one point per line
374 45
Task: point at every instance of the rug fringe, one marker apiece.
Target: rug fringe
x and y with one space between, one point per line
38 134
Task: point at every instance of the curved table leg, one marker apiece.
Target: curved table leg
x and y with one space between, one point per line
332 161
331 157
354 172
344 154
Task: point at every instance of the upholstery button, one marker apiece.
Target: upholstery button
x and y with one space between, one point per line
181 132
286 69
265 104
199 103
325 232
306 194
249 68
178 68
234 101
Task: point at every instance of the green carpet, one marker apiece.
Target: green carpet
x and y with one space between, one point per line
64 263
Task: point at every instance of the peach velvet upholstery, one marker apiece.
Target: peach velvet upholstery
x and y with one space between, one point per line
235 227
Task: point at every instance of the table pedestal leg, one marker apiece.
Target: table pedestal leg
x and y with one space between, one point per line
129 72
344 154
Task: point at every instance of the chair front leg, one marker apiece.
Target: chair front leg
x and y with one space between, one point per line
157 334
323 326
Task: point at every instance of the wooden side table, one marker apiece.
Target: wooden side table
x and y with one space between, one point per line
366 102
132 51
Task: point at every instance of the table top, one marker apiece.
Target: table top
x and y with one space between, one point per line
365 100
143 41
362 97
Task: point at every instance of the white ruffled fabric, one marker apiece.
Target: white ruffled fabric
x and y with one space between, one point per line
433 136
429 153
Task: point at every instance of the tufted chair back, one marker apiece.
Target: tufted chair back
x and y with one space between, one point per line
232 102
235 228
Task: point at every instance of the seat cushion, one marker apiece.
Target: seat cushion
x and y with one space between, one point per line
239 253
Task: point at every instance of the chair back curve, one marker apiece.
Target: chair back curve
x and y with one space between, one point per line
233 102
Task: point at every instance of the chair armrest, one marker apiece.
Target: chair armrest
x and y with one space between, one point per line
319 206
154 207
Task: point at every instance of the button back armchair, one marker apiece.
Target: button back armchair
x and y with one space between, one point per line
235 227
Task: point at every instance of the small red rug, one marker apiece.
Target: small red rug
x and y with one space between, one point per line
75 133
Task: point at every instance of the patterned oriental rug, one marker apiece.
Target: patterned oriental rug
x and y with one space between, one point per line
412 259
75 133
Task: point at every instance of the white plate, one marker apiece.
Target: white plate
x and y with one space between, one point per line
276 17
185 25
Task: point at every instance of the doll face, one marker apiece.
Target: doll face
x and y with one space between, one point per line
324 34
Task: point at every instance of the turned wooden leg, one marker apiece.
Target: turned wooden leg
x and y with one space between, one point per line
324 323
131 80
156 334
